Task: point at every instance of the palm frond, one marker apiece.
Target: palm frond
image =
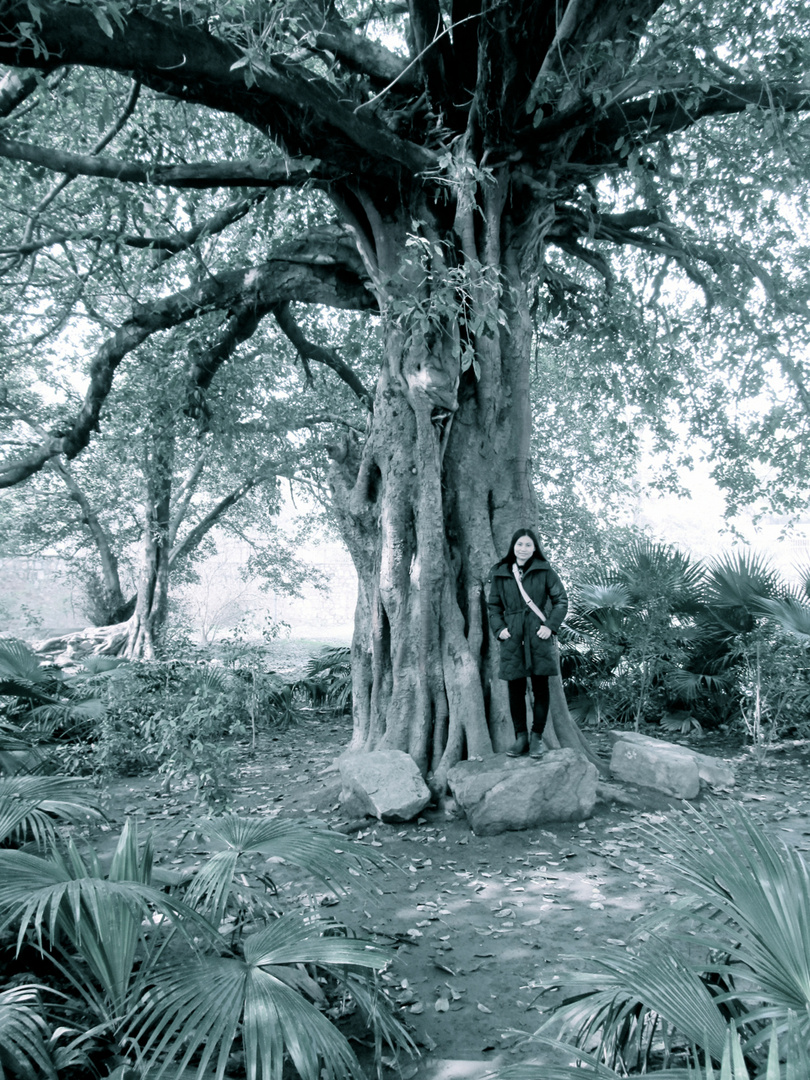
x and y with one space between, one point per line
29 805
594 596
759 893
787 612
327 856
336 660
104 919
296 940
198 1008
24 1033
653 982
19 662
735 581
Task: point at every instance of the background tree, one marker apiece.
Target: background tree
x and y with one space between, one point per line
464 156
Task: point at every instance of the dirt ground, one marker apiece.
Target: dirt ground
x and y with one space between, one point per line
479 925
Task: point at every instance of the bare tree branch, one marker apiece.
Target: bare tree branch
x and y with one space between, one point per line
309 350
304 276
203 174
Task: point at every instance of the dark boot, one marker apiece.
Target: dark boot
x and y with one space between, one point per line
520 745
536 748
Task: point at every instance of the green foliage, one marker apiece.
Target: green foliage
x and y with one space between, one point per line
630 632
327 680
736 950
24 1034
657 638
173 717
41 699
31 806
160 980
795 1063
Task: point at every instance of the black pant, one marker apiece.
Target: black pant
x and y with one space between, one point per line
517 703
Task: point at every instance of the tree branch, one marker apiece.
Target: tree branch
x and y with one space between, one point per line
184 494
166 246
191 64
15 87
109 563
196 535
202 174
105 140
310 351
305 275
355 51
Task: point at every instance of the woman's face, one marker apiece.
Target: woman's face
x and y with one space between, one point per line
524 548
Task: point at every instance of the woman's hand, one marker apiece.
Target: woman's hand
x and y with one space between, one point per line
504 634
544 633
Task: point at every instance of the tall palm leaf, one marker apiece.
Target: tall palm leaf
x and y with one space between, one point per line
200 1008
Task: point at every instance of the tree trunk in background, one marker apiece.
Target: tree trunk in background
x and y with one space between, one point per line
151 605
429 504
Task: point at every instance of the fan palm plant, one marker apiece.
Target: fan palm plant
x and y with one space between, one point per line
748 915
43 698
155 972
236 873
794 1064
30 806
328 678
628 628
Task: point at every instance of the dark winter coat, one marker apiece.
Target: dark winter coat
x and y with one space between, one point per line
523 652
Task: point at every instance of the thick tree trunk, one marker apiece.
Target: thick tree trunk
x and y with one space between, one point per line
430 501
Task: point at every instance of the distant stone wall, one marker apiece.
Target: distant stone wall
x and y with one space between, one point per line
37 597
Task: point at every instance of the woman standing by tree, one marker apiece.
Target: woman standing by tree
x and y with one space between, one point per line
527 604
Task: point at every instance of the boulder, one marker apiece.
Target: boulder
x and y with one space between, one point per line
669 767
384 784
500 793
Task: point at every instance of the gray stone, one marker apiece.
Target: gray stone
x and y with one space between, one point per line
500 793
667 766
384 784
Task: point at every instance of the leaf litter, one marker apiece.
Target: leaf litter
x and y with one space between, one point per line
535 897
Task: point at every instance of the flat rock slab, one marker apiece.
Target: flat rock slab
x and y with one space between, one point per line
385 784
668 767
499 793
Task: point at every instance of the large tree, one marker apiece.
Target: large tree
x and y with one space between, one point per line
461 147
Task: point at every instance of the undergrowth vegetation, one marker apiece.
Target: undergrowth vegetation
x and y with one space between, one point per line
180 718
660 639
112 967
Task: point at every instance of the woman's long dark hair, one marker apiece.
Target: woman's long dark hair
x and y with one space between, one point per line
509 557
